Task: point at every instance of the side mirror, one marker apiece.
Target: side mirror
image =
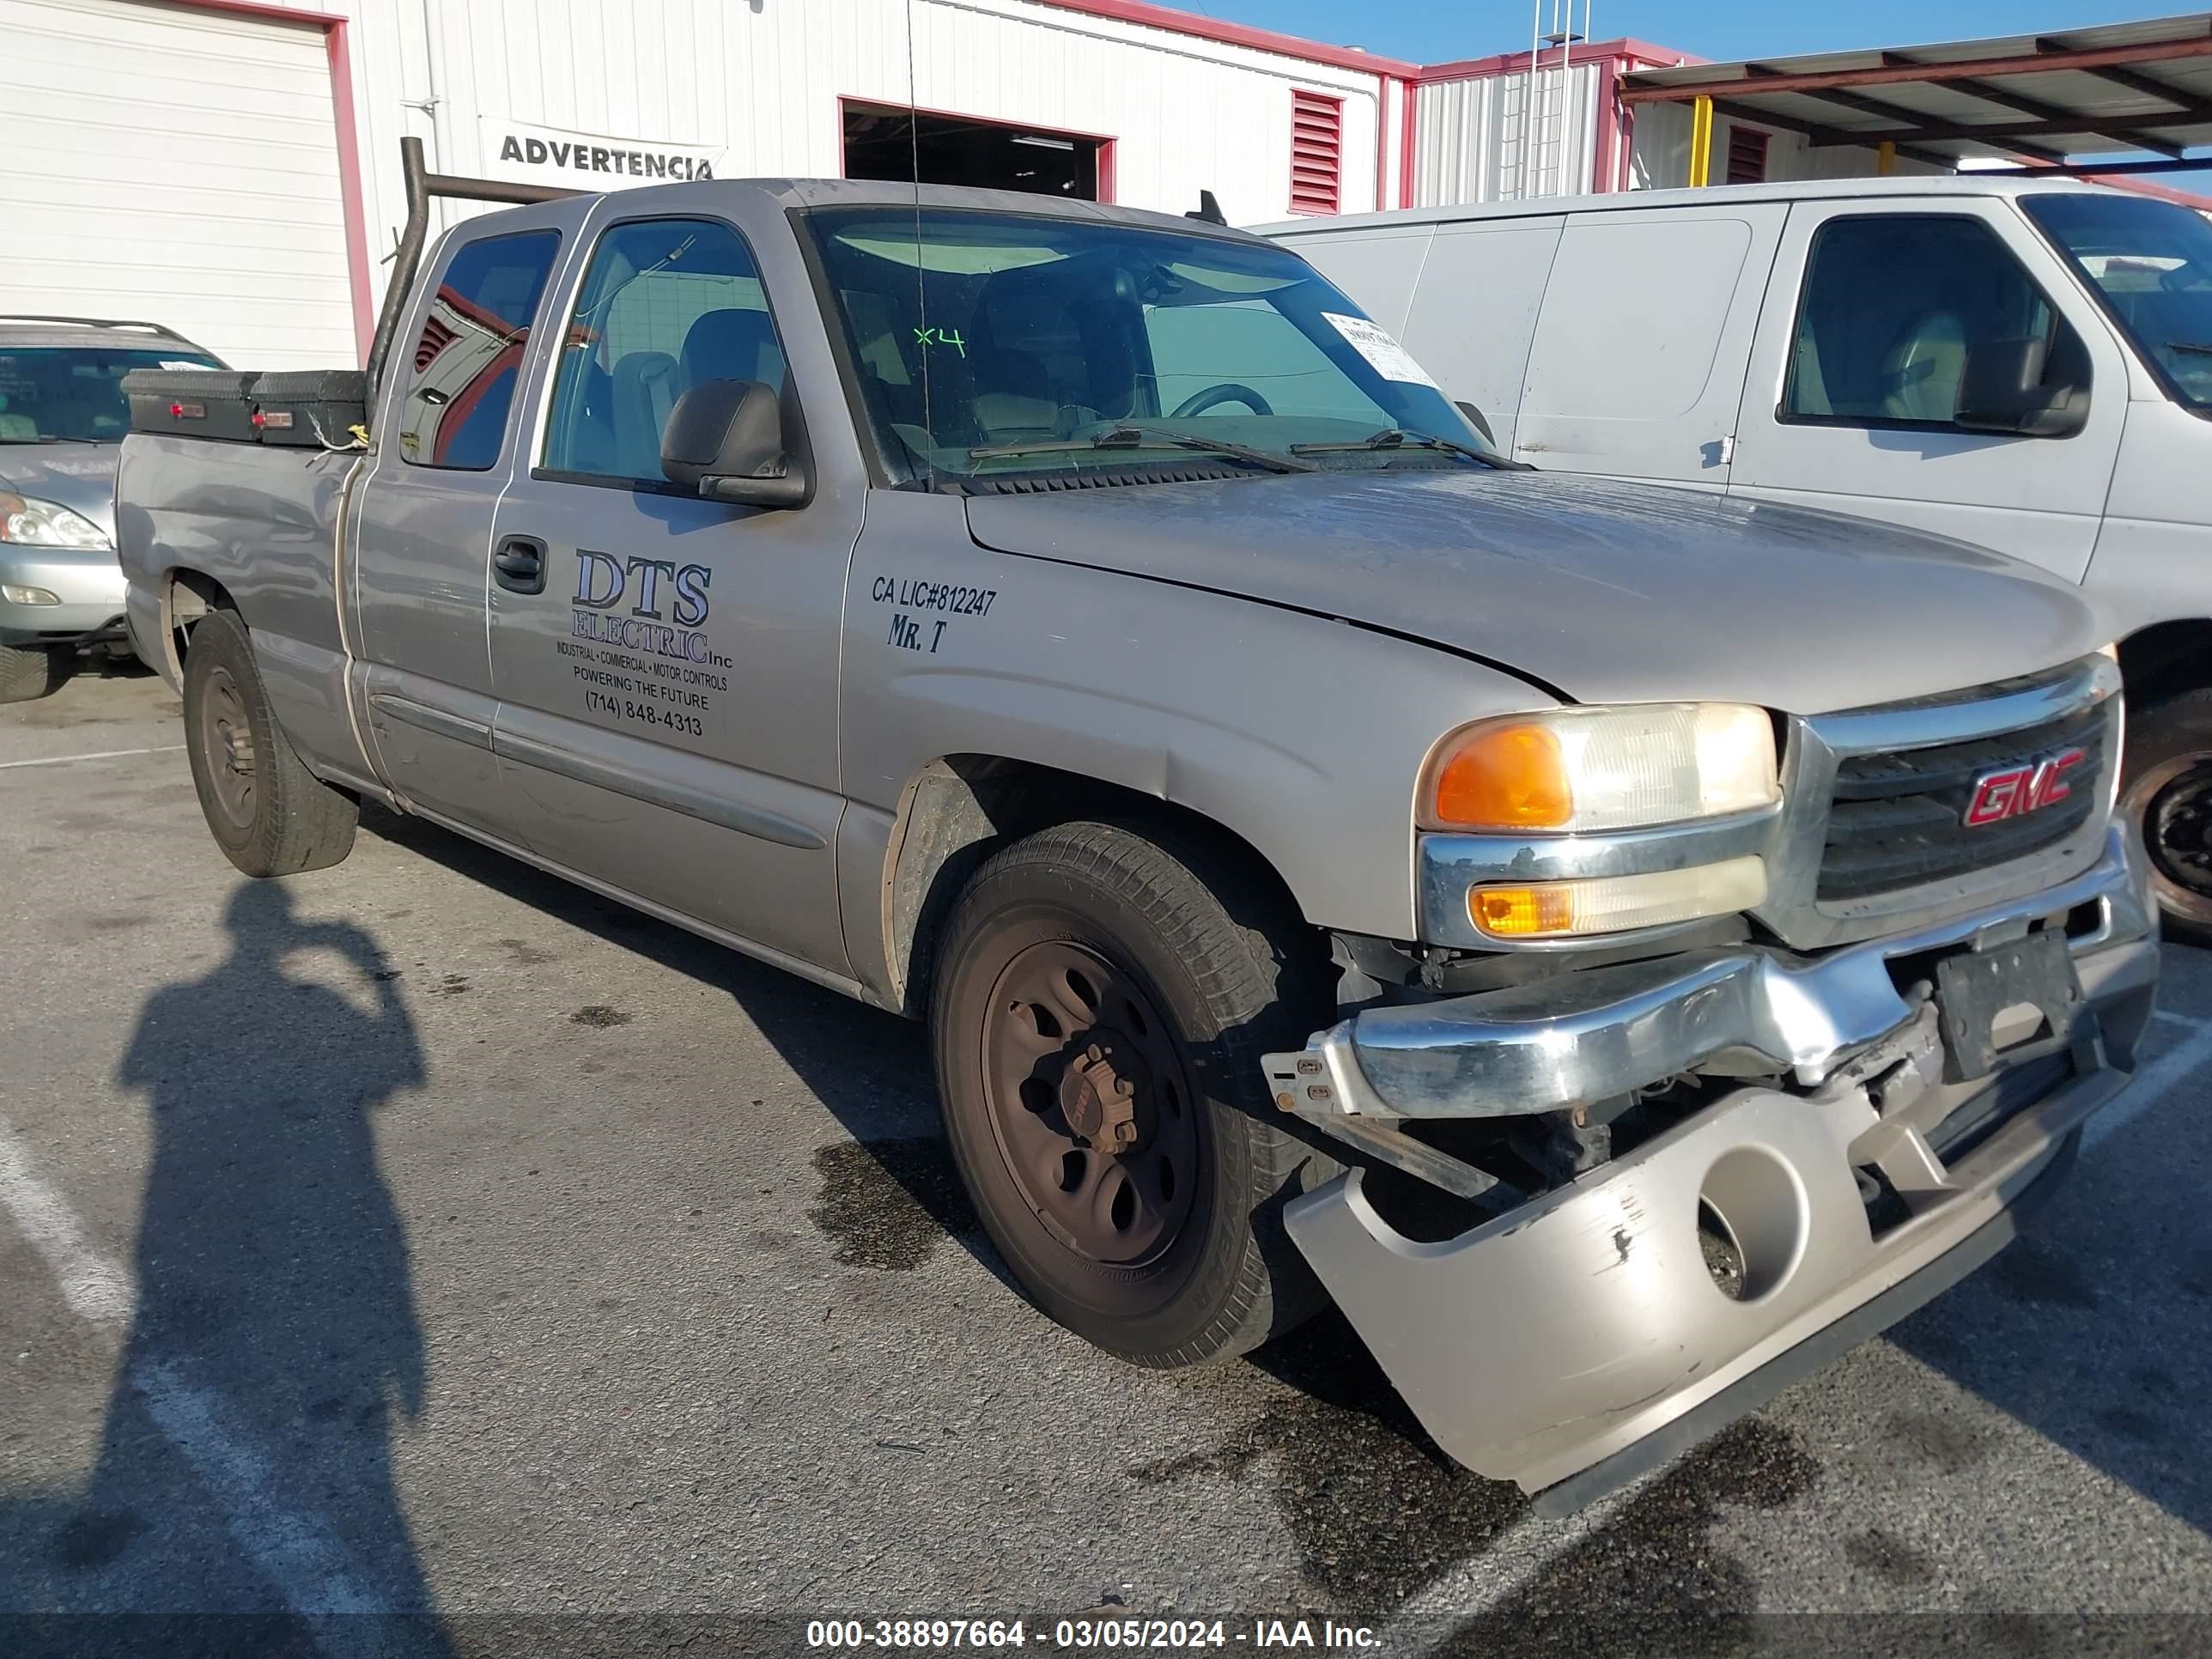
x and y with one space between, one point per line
2001 389
726 440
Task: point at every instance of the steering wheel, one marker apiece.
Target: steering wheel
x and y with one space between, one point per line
1227 393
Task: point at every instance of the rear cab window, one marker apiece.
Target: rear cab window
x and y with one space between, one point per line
468 357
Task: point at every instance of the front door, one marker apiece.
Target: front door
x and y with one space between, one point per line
666 665
1855 375
423 534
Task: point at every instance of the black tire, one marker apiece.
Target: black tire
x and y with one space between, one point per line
1177 925
271 815
29 671
2166 794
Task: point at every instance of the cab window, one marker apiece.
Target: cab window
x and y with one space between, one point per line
468 358
666 305
1893 305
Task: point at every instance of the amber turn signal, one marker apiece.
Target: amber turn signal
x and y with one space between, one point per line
1505 777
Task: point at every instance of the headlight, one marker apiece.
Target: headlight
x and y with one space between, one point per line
33 523
1577 770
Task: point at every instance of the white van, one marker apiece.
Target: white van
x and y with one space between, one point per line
2020 363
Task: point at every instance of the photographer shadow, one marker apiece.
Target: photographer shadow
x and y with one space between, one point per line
243 1497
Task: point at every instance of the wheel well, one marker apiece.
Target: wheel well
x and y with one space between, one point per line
2165 659
190 596
961 809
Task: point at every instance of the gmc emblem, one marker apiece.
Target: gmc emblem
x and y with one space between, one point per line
2019 790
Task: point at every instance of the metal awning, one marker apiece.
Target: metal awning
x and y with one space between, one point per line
2035 98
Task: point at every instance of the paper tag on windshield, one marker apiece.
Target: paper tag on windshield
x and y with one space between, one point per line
167 363
1387 358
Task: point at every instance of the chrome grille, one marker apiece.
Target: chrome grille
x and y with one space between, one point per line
1859 851
1896 820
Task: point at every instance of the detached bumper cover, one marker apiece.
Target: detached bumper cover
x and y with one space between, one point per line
1557 1337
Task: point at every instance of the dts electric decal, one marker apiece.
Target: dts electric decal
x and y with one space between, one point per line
637 632
602 583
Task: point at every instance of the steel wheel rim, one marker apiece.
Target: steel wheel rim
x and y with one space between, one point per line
1063 1027
2171 805
226 740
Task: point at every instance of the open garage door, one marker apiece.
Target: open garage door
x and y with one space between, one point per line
886 142
179 165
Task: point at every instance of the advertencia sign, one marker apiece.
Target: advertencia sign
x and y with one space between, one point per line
588 161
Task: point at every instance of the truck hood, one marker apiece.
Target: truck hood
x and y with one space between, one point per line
1609 592
80 477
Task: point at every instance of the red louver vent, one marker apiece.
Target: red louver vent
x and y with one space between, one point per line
436 337
1316 153
1747 155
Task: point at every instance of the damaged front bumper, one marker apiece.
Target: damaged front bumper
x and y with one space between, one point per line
1582 1337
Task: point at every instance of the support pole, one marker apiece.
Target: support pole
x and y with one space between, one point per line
1886 158
1701 143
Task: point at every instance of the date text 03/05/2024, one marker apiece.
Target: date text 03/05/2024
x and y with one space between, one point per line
1087 1635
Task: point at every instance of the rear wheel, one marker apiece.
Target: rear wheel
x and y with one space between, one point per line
268 812
1104 998
29 671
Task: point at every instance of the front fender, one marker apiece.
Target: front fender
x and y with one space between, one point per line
1303 735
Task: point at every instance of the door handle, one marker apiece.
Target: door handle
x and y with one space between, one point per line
518 565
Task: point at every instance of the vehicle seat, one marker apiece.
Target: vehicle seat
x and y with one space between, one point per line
590 441
733 344
645 391
1921 369
1015 396
1809 385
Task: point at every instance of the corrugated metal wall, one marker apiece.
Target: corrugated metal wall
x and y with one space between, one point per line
761 79
1659 156
1479 140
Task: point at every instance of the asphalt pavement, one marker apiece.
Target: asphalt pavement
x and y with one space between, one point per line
426 1256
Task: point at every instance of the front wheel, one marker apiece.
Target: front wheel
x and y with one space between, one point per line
268 812
2166 794
1104 997
29 671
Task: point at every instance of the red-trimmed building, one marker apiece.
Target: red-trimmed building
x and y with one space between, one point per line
230 168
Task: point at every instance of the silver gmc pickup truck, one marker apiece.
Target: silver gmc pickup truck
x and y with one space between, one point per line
1620 946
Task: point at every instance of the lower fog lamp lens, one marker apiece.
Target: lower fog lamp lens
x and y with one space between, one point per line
1614 904
15 595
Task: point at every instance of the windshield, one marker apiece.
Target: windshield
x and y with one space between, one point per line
74 394
2150 262
994 343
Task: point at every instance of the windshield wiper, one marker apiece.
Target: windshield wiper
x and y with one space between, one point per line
1394 437
1129 437
2197 346
41 439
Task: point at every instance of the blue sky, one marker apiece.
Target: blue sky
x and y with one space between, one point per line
1429 33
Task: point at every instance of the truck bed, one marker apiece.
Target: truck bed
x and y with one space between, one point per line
264 524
